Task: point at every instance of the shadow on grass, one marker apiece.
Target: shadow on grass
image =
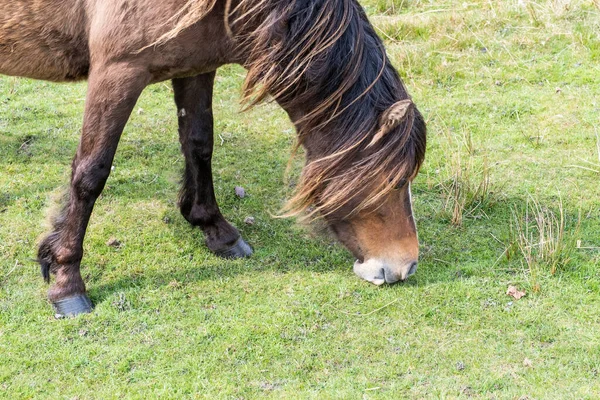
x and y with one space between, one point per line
285 250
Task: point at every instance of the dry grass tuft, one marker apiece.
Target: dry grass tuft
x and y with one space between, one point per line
540 237
466 185
467 191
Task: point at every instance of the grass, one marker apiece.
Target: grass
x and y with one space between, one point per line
542 240
591 165
510 88
467 188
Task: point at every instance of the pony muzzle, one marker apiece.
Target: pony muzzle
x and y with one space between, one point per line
379 272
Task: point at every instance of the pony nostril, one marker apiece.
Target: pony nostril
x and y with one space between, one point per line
412 270
382 274
391 276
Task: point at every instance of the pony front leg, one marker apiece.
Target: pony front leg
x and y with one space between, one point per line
112 93
193 97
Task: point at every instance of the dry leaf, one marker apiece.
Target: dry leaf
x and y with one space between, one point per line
527 363
514 292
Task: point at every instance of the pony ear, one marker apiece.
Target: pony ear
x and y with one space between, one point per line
392 118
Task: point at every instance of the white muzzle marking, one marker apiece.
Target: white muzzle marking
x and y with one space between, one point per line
371 271
379 272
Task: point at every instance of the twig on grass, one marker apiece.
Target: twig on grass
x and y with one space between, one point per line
580 247
10 272
591 162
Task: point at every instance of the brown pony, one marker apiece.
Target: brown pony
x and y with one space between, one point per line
319 59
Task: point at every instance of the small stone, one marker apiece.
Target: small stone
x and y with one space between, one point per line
249 221
460 366
240 192
140 111
167 220
527 363
112 242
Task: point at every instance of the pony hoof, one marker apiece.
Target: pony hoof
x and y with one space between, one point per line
71 306
240 249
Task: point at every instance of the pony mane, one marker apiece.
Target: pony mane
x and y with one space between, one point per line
322 61
324 58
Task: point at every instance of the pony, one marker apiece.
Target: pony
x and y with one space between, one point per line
320 60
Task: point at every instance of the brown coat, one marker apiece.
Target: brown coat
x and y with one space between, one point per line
59 40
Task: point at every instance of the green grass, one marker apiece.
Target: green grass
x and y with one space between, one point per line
511 94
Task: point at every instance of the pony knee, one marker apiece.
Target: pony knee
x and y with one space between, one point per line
89 179
199 147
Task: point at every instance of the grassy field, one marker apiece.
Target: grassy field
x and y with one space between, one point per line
508 195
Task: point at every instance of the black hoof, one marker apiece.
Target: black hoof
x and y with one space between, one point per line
240 249
71 306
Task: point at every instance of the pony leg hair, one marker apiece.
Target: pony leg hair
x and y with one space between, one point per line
113 90
197 202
